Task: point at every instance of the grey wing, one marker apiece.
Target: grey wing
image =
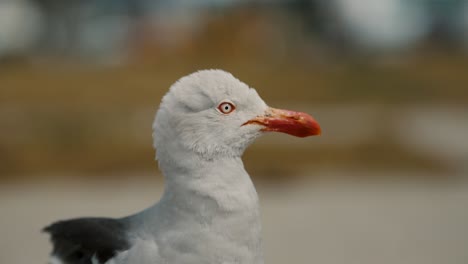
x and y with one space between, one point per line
78 241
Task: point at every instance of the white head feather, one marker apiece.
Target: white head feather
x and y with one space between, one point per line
188 119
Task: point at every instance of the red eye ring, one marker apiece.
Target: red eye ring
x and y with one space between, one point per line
226 107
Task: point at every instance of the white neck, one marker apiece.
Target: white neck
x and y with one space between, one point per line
224 181
212 200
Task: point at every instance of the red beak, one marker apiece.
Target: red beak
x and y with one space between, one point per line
294 123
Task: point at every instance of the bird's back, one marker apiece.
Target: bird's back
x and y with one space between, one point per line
79 241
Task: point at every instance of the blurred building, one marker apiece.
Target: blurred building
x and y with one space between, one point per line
107 30
21 25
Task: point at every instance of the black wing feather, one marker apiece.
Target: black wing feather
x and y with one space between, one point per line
76 241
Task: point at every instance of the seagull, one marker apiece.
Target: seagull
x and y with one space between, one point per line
209 211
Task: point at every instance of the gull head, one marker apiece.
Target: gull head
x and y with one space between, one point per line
214 115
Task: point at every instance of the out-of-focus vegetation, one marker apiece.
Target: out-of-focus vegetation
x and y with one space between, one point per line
83 106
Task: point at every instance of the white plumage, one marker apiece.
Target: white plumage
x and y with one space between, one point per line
209 212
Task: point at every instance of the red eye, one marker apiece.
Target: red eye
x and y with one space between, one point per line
226 107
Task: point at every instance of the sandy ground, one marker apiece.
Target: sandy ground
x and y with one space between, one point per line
304 222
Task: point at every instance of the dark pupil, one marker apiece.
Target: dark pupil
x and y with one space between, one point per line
226 107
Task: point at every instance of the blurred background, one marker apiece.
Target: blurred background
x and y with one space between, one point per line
387 182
